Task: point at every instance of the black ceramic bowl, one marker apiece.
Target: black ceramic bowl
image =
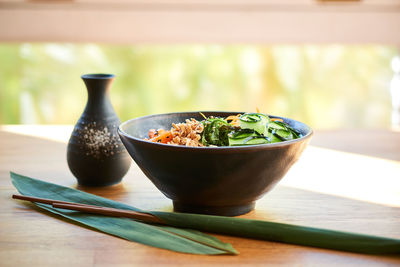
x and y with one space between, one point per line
210 180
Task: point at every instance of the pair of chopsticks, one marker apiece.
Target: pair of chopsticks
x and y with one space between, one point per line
141 216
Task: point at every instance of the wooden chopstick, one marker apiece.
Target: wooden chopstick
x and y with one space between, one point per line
44 200
142 216
110 212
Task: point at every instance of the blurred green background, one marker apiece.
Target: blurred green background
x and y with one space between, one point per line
331 86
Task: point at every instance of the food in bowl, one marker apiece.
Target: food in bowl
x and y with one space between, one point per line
234 130
219 180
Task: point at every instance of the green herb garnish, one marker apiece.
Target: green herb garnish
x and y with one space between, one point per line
253 129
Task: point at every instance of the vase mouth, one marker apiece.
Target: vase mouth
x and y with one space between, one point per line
98 76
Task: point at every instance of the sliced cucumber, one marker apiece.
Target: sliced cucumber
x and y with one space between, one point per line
256 121
276 125
273 137
285 134
240 137
283 131
258 140
254 129
242 133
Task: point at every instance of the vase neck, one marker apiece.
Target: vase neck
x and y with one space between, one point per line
98 88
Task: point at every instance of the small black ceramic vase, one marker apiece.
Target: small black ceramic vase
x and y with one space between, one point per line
95 154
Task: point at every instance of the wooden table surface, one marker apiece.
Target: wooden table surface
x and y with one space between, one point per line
346 180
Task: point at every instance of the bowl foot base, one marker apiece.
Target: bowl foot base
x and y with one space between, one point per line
214 210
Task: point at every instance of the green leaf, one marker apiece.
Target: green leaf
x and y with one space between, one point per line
191 241
181 240
285 233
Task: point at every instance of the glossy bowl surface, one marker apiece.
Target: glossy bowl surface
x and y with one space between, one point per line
210 180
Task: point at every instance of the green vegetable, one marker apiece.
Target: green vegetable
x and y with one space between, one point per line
256 121
216 132
277 125
246 137
254 129
241 136
258 140
279 131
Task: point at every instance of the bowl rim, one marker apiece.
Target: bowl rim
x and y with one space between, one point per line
218 148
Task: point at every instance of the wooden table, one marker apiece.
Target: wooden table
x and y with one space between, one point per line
355 188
